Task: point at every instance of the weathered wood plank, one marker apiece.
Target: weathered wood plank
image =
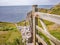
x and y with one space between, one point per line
34 31
50 17
53 39
45 29
41 40
34 9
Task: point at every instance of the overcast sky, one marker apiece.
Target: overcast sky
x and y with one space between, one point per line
28 2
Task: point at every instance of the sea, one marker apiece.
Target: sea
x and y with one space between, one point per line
17 13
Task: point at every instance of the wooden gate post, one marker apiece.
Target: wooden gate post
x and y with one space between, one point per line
34 9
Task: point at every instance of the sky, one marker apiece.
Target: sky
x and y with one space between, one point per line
28 2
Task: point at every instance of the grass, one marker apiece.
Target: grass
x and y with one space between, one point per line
9 35
23 23
10 38
4 26
55 33
15 38
4 35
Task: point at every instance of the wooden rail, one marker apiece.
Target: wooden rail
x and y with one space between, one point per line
40 40
50 17
53 39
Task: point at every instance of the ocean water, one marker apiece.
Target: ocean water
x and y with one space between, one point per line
16 13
